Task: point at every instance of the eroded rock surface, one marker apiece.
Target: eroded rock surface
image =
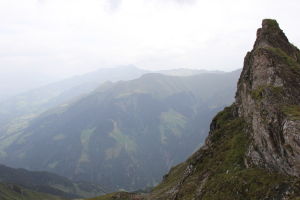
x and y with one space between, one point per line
268 97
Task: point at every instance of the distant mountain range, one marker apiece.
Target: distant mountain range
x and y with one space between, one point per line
13 82
26 105
125 134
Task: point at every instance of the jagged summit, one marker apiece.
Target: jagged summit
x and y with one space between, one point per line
270 35
268 91
273 61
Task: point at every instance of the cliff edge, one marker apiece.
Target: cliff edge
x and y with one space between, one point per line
253 148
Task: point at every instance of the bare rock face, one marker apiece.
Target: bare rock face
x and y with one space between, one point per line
268 97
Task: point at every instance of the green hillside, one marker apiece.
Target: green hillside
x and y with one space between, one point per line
13 192
125 135
221 170
50 183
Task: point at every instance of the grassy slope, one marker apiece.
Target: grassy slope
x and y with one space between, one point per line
223 167
12 192
120 195
50 183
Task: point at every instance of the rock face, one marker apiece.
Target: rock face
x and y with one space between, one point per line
253 147
268 99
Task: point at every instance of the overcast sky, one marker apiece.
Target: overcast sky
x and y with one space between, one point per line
67 37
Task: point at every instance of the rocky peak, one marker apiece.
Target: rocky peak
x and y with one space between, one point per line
253 147
268 97
270 35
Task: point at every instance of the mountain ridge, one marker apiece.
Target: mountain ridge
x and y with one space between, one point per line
153 117
16 110
252 150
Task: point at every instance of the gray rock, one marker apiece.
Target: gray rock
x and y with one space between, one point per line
268 85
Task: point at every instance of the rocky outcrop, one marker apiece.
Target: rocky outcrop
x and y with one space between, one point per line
267 97
253 148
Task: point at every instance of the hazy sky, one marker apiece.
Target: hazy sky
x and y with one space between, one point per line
68 37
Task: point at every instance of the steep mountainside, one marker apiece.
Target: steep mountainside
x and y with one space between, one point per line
50 183
124 135
252 151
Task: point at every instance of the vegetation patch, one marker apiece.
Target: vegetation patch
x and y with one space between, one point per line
52 165
88 190
293 111
85 134
46 182
272 24
59 137
118 195
19 123
85 139
105 197
172 121
113 152
123 140
258 93
84 157
17 127
291 62
13 192
221 119
9 140
277 90
3 154
22 155
222 166
22 139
